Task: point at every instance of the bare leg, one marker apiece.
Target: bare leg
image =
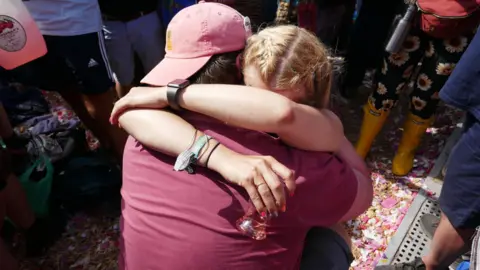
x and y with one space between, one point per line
75 100
447 245
94 111
17 208
122 90
99 107
7 261
6 130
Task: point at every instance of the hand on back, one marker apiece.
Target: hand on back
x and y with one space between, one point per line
266 180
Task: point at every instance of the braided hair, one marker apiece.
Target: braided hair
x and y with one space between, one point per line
289 57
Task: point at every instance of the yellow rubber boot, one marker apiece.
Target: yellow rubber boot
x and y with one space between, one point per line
373 121
413 130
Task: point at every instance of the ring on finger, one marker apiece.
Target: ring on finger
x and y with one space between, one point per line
258 185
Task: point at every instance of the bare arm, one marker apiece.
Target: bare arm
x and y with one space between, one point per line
143 125
348 153
170 134
298 125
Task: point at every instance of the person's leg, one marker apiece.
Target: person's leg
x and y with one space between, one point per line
100 106
326 249
373 23
13 199
328 23
53 72
119 47
87 57
459 202
6 130
148 40
437 65
343 38
391 79
475 256
76 101
17 208
7 261
15 144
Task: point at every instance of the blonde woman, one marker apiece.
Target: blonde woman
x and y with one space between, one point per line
163 208
286 60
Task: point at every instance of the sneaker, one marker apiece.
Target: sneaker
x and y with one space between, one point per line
429 224
417 264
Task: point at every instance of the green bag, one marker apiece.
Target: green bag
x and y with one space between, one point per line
38 192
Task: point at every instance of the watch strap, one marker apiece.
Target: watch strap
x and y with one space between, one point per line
172 97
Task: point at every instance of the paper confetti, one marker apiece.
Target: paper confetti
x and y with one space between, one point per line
92 242
389 203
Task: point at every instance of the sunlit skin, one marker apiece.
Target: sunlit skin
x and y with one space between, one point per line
252 78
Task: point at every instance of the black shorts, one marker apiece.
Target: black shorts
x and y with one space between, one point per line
460 197
78 62
325 249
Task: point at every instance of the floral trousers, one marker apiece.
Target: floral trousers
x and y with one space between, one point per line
437 57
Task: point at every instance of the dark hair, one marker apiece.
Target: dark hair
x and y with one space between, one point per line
220 69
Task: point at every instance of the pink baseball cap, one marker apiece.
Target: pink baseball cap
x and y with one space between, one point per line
194 35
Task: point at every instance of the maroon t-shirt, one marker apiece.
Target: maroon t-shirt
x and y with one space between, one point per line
176 221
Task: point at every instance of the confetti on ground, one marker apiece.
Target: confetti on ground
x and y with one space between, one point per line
393 195
92 242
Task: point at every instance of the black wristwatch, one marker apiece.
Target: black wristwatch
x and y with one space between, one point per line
173 90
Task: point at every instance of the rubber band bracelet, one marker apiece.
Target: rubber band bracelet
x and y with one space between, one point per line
210 154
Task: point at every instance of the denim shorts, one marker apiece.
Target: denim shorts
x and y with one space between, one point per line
325 250
460 197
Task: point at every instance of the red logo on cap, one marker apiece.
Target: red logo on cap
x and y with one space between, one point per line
5 24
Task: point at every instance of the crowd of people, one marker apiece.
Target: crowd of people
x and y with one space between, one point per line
233 120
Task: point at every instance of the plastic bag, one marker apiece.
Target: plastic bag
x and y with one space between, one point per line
38 192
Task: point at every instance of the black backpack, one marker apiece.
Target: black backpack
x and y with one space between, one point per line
85 182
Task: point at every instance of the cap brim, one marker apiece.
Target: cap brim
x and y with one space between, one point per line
170 69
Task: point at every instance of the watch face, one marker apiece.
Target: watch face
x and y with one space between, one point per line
179 83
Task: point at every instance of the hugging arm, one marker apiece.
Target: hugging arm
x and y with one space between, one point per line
252 108
298 125
170 134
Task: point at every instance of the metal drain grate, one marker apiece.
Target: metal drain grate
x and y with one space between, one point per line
416 243
409 241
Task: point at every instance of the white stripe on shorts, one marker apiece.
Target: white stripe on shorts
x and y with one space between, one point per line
475 257
103 52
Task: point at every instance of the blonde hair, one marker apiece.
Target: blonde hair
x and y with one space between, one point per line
288 57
